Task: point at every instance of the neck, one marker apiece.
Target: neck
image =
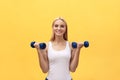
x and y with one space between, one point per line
59 39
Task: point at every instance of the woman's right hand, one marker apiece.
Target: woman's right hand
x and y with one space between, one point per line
36 45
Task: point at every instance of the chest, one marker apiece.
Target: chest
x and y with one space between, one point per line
59 53
58 47
59 56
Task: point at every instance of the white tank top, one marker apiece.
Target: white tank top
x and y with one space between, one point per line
59 63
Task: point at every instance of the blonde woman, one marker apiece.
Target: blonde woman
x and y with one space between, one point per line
58 59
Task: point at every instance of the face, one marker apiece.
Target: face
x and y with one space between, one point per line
59 28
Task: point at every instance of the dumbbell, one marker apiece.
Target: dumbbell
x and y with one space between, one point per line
86 44
41 45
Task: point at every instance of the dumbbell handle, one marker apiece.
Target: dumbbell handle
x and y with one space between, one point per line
41 45
86 44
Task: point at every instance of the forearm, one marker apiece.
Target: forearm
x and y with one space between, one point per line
75 60
42 61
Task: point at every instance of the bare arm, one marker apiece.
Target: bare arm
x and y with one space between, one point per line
43 59
75 57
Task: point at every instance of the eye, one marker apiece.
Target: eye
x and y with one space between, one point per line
62 26
56 25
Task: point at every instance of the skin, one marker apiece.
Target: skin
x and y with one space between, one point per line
59 43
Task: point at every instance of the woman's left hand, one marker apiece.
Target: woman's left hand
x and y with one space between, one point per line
80 44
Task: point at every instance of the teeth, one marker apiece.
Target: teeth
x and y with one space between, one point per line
58 32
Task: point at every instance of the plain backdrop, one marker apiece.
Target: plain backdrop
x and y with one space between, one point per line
23 21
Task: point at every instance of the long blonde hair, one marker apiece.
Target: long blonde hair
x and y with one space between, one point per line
65 36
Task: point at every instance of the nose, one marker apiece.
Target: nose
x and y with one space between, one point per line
58 28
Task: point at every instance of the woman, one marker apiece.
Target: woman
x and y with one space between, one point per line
59 58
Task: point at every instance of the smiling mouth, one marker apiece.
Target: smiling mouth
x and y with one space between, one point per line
58 32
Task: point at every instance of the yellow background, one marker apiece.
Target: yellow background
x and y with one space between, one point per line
22 21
